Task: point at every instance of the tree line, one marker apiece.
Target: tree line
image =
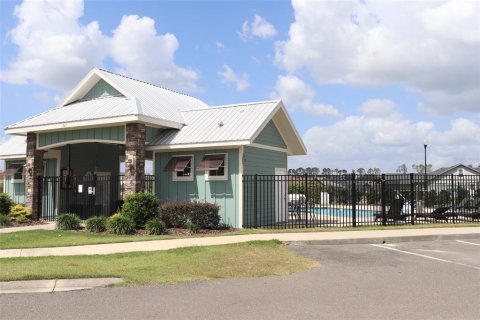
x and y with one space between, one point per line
403 169
329 171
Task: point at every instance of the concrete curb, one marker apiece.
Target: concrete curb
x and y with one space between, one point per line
382 240
55 285
324 237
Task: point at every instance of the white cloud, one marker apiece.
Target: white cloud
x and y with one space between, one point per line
55 49
259 27
143 53
429 47
386 142
220 45
228 76
296 94
377 107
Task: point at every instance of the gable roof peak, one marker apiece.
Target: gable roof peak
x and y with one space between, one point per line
144 82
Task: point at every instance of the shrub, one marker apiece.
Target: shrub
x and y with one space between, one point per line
177 213
205 215
119 223
68 221
4 220
140 207
155 226
96 224
5 203
19 213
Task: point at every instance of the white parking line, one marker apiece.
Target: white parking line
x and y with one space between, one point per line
475 244
424 256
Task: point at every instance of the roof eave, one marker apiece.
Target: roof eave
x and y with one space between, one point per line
94 123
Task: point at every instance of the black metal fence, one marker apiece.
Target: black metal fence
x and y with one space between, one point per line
291 201
85 196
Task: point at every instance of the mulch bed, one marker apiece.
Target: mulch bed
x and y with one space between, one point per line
14 224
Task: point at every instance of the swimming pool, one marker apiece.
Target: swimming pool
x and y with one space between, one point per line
341 212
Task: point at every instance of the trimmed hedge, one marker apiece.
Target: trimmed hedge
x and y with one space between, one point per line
68 221
176 214
96 224
140 207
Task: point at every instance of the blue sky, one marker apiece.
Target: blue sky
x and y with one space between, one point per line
366 83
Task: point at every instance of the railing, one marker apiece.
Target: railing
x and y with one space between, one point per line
302 201
85 196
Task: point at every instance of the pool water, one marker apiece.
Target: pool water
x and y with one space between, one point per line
341 212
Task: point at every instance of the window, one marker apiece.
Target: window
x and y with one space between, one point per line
215 166
15 170
181 168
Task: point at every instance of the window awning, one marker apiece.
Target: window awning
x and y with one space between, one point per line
177 164
211 162
15 168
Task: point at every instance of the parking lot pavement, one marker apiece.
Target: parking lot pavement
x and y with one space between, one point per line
412 280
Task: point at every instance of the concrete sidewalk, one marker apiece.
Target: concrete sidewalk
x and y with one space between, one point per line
46 226
374 236
55 285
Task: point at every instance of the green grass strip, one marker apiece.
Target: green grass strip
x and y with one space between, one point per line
251 259
55 238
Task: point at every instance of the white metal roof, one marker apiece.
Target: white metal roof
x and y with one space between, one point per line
14 147
219 124
141 99
154 101
102 108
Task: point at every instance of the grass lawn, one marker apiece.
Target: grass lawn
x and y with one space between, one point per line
54 238
251 259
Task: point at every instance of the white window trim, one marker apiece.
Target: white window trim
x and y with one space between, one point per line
192 169
218 178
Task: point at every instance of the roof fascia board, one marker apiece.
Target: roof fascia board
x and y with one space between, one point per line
292 126
85 124
210 145
14 157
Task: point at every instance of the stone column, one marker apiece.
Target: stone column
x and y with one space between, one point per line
33 169
134 158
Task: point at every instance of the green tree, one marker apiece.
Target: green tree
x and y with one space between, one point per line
402 169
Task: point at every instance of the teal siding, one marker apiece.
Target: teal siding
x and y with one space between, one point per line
151 133
224 193
271 193
101 89
270 136
115 134
261 161
15 190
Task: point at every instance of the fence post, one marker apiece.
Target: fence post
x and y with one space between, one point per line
453 195
306 199
354 201
255 199
40 197
412 199
384 200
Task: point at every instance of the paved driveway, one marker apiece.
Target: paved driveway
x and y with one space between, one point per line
413 280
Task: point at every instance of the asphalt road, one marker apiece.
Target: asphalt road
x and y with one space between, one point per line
411 280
